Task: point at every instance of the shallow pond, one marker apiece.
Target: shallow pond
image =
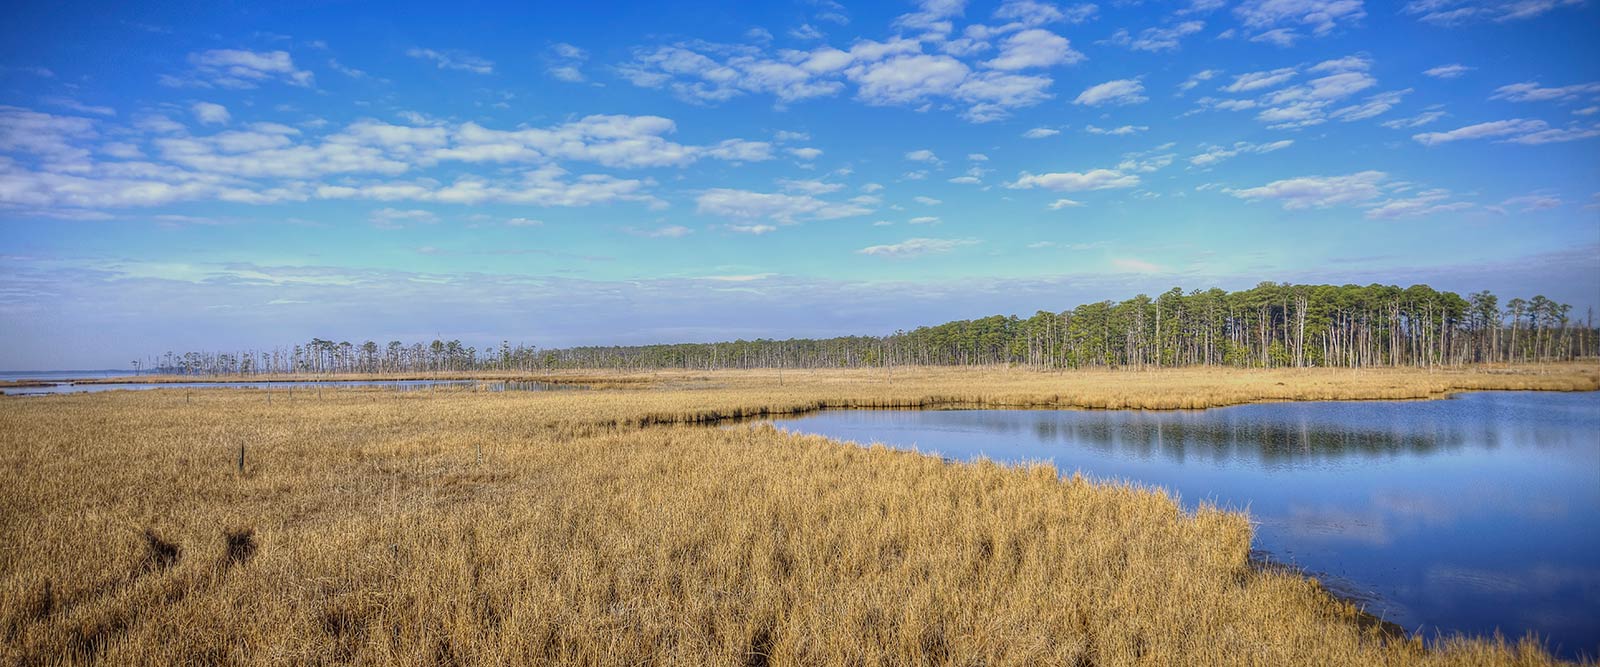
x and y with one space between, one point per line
1469 514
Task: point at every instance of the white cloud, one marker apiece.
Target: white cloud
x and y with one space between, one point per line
1530 91
669 232
926 201
1094 179
1214 154
1318 191
1489 130
1533 202
932 16
453 60
1413 121
923 155
1064 203
908 78
1034 48
564 62
1244 83
1041 133
1156 40
1356 63
69 103
1282 18
896 71
235 68
1459 12
524 222
1201 76
1447 71
810 187
916 247
924 220
1121 131
806 153
806 32
781 208
1121 91
1035 12
261 163
392 218
1427 202
210 114
1375 105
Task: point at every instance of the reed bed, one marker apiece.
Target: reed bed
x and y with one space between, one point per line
601 527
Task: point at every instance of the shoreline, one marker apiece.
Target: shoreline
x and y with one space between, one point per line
403 495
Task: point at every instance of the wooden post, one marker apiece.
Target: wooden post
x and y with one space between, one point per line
241 459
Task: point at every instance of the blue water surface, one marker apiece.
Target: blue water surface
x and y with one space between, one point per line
1472 514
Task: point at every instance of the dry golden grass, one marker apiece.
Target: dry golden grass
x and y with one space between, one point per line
463 527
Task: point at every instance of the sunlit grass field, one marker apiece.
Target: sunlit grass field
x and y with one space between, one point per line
607 527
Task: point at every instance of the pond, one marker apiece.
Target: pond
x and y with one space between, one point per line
398 385
1469 514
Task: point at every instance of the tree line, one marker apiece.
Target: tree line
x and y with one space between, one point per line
1269 326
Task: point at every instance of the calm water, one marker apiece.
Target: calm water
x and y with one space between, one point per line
399 385
1470 514
51 376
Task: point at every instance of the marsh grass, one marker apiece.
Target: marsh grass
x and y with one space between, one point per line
462 527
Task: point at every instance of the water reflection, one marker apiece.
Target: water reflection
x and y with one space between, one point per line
1468 514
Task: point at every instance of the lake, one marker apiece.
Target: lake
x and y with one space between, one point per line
1469 514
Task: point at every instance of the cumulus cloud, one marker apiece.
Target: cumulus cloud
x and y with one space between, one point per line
239 69
565 62
1284 106
1041 133
210 114
1283 19
52 163
1156 40
1318 191
1034 48
1121 91
898 71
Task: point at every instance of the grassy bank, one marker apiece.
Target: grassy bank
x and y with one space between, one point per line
462 527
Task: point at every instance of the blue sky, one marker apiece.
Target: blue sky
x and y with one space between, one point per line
218 176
